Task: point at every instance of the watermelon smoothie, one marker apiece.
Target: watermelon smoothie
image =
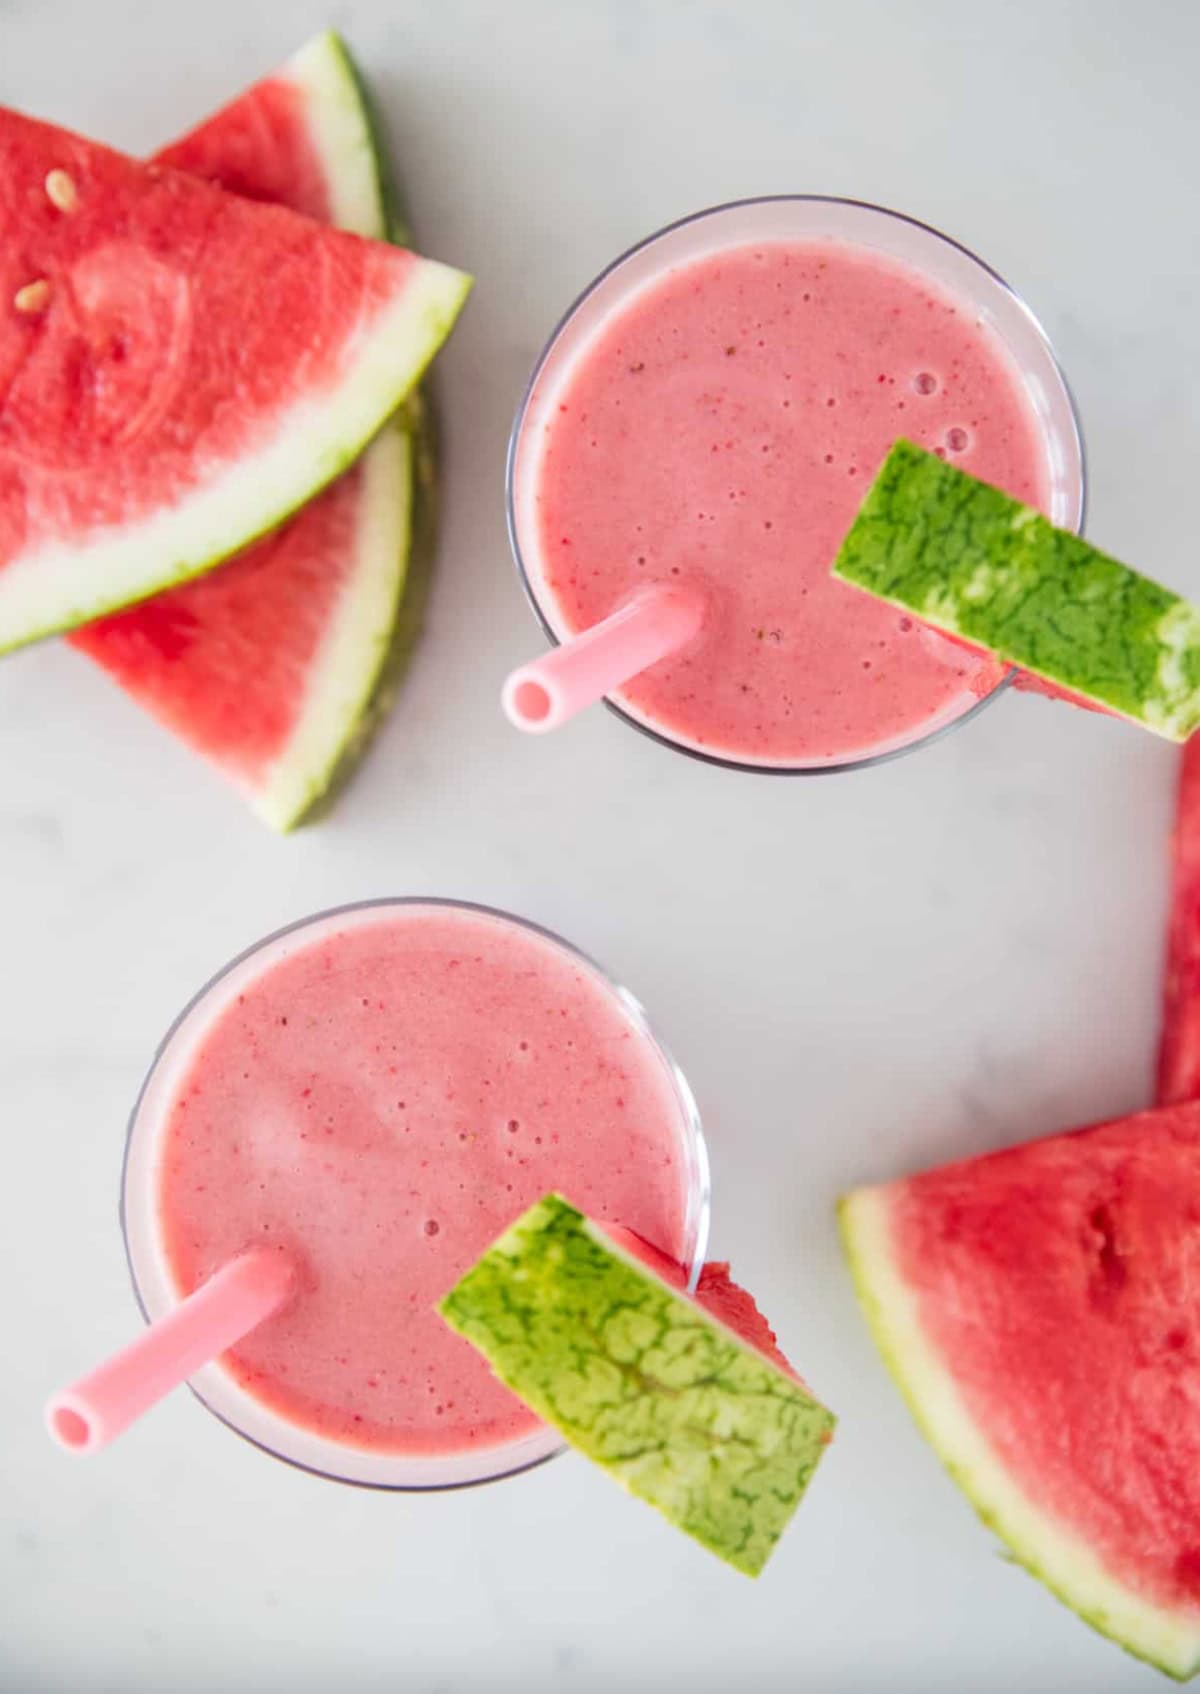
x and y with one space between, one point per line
711 412
379 1092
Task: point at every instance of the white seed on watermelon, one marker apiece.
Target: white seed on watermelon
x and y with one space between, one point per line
61 190
34 297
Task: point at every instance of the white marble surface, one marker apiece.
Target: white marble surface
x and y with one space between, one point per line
861 974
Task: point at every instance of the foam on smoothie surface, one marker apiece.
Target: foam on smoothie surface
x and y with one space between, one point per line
722 428
382 1103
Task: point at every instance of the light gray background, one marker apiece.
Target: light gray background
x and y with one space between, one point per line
861 974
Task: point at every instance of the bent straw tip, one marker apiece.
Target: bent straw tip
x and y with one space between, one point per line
656 622
235 1299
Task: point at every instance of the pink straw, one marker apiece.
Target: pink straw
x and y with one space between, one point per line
218 1314
544 694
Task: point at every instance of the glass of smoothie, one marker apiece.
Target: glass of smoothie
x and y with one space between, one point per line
710 413
377 1092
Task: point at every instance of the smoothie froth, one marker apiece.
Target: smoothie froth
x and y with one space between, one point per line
382 1102
720 428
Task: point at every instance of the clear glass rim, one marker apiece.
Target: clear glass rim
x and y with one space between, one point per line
838 766
698 1198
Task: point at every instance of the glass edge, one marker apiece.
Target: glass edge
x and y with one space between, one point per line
699 1189
836 767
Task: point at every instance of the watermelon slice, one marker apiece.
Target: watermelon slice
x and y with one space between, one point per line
1039 1309
716 1291
272 667
665 1398
979 565
1179 1050
179 369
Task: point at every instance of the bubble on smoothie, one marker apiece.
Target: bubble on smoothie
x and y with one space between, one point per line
924 382
432 1226
957 439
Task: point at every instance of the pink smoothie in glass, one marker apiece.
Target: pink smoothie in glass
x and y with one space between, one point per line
721 428
381 1103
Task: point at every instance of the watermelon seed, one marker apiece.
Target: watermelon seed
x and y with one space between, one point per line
34 297
61 191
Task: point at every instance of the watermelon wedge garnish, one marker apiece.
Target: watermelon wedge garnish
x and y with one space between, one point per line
180 369
715 1291
272 666
979 565
1179 1048
1039 1309
660 1392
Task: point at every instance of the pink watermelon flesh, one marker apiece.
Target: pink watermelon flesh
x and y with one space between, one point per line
1179 1049
715 1291
1060 1283
222 661
180 323
259 146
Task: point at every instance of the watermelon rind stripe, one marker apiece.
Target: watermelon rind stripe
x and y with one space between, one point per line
1047 1548
343 136
371 639
354 649
60 587
347 690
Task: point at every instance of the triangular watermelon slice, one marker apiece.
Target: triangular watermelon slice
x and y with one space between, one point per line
179 369
1039 1309
271 666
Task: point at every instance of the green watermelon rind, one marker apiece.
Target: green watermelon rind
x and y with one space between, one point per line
664 1397
1050 1551
346 136
357 671
398 641
966 558
388 200
343 684
327 63
315 442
